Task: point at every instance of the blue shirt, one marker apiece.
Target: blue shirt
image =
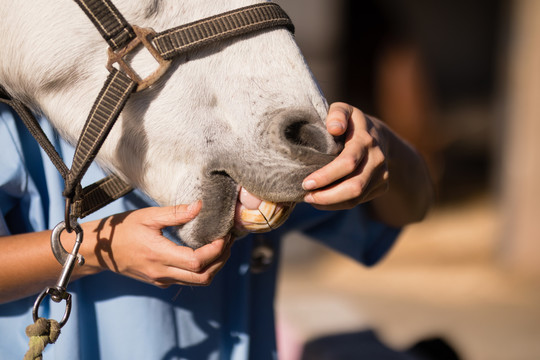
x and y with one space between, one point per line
115 317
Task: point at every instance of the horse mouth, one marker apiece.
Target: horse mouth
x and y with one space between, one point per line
229 208
253 214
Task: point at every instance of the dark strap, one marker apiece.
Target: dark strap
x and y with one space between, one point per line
105 111
92 197
99 194
35 130
233 23
109 22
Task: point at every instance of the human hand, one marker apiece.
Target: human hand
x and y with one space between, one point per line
132 244
360 172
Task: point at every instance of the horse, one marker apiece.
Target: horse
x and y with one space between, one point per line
237 124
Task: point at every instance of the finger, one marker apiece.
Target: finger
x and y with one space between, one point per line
349 204
357 185
160 217
176 275
356 146
338 117
205 277
346 163
197 260
346 190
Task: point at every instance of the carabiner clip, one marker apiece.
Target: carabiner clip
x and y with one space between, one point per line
67 260
61 255
55 294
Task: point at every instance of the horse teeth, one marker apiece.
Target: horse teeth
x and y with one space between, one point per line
267 209
267 217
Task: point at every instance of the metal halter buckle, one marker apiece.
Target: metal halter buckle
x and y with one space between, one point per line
118 57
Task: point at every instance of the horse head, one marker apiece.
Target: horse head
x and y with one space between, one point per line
241 116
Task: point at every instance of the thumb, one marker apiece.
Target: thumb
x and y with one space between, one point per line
173 215
338 117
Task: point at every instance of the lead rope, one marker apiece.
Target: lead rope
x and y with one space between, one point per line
41 333
120 84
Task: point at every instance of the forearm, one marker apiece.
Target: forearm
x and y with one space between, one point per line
27 264
410 192
129 243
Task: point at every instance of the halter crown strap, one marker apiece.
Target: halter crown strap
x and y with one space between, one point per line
109 21
171 43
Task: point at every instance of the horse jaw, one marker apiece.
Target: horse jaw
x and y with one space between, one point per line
198 133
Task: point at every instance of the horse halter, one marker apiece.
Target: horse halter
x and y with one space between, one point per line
121 82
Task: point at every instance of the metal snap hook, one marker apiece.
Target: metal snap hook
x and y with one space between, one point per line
60 253
67 260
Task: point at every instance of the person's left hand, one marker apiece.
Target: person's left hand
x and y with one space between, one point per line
360 172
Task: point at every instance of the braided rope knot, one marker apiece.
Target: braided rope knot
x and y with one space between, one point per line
41 333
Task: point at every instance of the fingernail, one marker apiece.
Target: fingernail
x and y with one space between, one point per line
336 125
309 198
309 184
191 207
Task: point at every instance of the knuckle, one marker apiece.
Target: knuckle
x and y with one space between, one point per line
368 140
349 163
379 159
205 279
195 264
153 276
152 257
356 189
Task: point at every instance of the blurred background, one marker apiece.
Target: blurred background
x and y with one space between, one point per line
460 80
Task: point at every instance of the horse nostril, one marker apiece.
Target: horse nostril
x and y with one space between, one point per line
293 132
305 134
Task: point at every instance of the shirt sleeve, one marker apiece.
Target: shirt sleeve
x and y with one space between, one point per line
353 233
21 207
12 171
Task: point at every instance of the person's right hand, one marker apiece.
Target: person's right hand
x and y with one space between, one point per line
132 244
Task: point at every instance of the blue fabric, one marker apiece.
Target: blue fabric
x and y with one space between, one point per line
115 317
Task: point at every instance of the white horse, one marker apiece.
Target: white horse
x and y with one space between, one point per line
244 113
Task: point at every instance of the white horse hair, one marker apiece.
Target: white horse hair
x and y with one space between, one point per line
243 112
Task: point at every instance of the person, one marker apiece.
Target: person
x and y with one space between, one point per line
138 296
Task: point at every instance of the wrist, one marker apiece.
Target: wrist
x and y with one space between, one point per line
90 250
